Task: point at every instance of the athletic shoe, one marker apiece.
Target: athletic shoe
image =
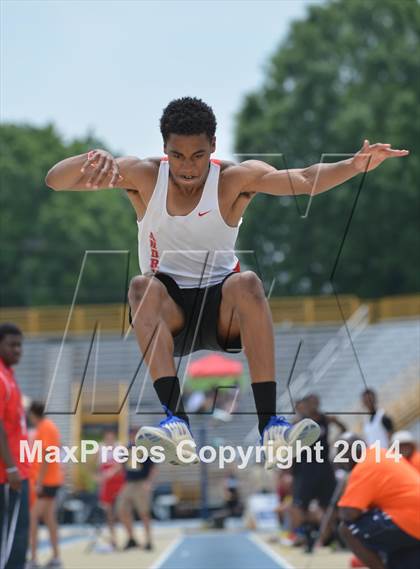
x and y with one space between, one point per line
32 565
131 543
171 431
311 534
355 562
54 564
280 433
148 547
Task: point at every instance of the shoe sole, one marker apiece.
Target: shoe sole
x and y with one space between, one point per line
306 431
152 436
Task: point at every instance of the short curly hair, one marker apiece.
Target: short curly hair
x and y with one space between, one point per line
9 328
187 116
37 408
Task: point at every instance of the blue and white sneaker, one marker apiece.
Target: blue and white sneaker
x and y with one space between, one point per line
280 433
169 434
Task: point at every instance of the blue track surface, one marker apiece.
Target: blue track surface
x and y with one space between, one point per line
219 551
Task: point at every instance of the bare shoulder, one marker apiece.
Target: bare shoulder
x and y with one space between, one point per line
242 175
138 174
226 164
251 169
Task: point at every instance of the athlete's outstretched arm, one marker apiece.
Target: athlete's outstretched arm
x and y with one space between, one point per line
317 178
91 171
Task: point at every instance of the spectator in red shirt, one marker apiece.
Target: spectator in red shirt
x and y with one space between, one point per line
111 481
14 474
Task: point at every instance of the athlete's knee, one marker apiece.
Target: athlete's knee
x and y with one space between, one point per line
344 531
141 286
250 287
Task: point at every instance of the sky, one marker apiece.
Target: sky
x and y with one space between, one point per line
110 67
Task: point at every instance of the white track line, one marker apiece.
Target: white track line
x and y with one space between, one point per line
164 556
268 551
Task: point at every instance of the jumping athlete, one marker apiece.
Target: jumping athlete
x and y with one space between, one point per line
191 294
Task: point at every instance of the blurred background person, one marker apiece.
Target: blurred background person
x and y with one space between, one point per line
14 473
313 480
379 509
232 496
47 478
379 426
408 447
136 496
285 495
111 481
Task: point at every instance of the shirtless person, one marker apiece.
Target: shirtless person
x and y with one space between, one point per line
191 294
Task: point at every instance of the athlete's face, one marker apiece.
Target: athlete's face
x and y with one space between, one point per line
407 449
109 438
34 419
11 349
189 158
312 403
369 401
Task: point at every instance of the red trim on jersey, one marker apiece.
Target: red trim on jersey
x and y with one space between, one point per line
214 160
154 253
237 268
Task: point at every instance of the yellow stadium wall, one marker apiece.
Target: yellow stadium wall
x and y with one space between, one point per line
294 310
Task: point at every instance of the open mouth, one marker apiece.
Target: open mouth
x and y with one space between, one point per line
188 180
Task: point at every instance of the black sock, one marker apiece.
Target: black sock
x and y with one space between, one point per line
169 393
265 401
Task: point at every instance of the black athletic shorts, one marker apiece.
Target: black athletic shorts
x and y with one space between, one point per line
49 491
201 311
313 484
377 531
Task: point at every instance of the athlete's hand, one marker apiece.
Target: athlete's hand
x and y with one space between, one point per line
101 165
14 480
371 155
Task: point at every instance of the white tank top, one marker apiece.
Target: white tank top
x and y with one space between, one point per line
375 431
196 250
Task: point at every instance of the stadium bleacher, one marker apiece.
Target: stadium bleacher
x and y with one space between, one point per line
383 355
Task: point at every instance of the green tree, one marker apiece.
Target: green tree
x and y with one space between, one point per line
44 234
348 71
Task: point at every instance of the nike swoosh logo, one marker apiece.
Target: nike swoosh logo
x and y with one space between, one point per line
200 213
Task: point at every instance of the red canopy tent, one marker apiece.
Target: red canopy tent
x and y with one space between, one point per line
214 370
